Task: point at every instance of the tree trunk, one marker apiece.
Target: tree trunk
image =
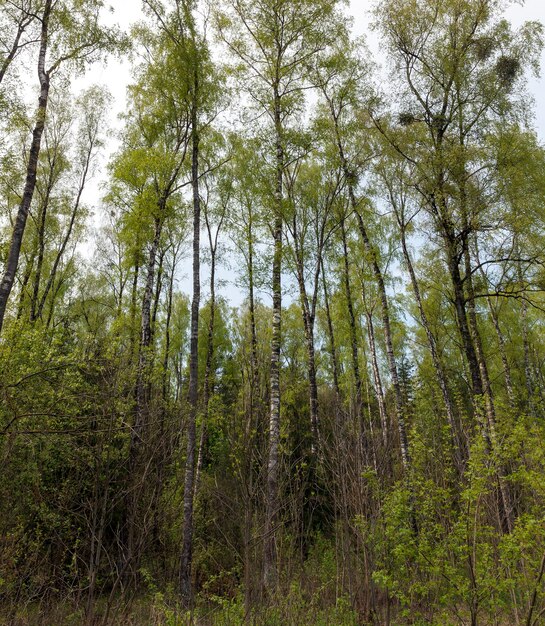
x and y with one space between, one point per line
308 324
158 289
41 240
252 429
253 331
67 236
55 292
193 393
136 481
503 354
208 366
351 322
134 296
270 574
166 357
24 283
505 501
313 388
21 27
145 340
392 366
331 336
379 393
528 376
461 316
22 214
456 440
372 257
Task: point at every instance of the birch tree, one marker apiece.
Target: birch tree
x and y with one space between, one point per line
274 40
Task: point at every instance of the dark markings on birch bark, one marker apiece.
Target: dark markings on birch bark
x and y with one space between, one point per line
186 590
139 429
270 574
12 261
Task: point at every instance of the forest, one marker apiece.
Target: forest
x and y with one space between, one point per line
271 350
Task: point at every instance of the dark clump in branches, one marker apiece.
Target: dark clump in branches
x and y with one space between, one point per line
484 47
507 69
405 118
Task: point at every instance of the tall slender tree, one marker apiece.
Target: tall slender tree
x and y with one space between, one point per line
275 40
179 23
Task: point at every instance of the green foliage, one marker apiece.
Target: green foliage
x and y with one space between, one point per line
447 175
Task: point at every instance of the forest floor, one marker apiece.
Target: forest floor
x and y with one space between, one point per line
154 612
